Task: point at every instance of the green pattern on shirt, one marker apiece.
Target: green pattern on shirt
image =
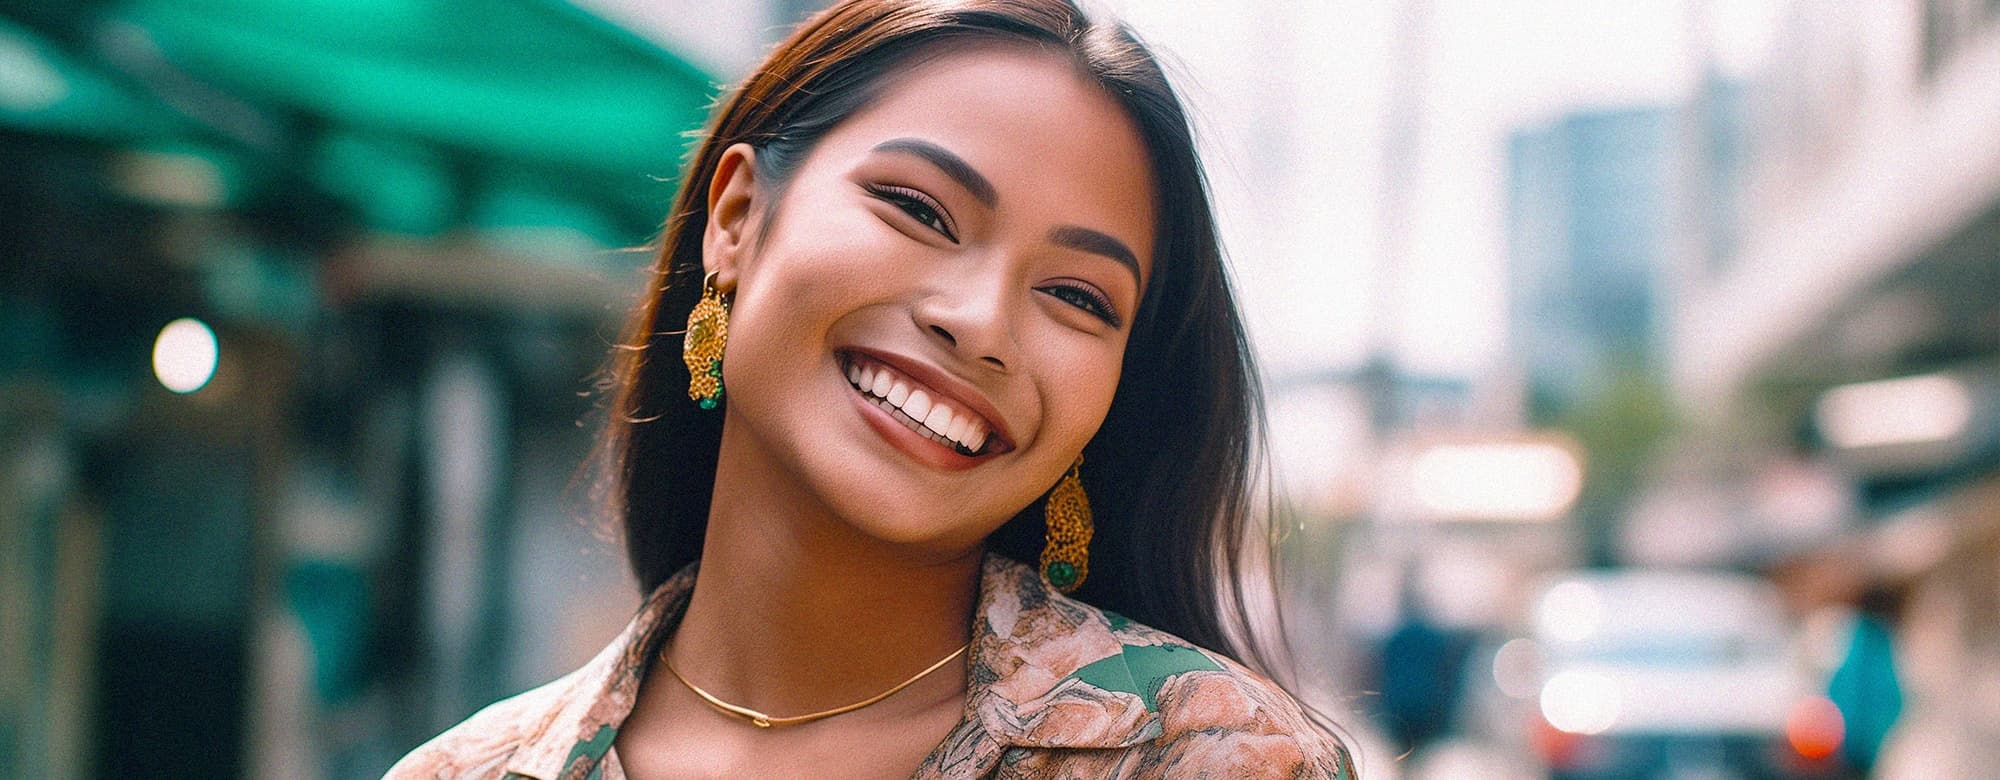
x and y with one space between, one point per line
1141 670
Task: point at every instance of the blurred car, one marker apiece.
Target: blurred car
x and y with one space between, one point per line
1675 674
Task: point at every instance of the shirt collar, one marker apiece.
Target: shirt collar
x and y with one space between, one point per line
1044 671
597 698
1050 671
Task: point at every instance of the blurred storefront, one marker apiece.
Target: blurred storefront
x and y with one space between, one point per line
289 407
1836 353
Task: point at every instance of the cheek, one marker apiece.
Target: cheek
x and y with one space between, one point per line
817 267
794 284
826 253
1081 392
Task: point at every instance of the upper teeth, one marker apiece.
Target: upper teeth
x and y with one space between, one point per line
938 414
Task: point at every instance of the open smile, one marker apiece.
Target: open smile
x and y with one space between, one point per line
926 411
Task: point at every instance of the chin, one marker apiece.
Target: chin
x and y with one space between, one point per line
947 530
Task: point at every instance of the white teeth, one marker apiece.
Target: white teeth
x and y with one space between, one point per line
973 436
917 406
940 419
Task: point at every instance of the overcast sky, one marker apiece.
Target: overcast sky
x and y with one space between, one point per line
1296 95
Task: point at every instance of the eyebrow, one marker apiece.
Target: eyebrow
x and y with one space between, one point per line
954 166
1094 242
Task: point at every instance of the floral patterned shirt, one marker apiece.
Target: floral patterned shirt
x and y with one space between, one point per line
1055 688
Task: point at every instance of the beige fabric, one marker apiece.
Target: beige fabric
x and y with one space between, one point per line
1055 688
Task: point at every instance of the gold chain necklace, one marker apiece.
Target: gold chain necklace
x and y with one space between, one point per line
763 721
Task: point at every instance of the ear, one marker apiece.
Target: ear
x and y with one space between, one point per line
732 209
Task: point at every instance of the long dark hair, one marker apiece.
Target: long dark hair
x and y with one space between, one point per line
1168 473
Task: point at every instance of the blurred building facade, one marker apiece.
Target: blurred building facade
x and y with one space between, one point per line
1836 347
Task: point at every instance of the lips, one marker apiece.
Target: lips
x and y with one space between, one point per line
943 418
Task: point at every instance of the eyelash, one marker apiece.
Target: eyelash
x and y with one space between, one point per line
919 206
931 214
1090 301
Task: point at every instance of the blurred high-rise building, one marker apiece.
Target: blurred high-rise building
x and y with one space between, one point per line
1588 199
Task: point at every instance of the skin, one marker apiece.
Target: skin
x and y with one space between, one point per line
842 555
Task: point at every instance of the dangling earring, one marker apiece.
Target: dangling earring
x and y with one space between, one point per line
707 333
1066 556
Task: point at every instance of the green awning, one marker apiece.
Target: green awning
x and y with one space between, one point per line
419 114
524 79
45 90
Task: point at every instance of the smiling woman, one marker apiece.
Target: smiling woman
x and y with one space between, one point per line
958 342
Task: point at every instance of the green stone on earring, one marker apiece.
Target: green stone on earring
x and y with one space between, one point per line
1061 574
708 403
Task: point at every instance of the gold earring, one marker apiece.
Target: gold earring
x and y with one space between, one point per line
701 349
1066 556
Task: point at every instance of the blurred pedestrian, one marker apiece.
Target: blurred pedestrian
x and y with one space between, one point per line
1865 686
1422 670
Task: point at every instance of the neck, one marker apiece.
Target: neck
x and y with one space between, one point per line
794 610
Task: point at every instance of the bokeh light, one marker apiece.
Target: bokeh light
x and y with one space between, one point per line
1497 480
185 355
1570 612
1516 667
1580 701
1815 728
1906 410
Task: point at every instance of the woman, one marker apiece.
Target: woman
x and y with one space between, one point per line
957 340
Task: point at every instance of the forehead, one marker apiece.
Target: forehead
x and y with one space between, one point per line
1054 145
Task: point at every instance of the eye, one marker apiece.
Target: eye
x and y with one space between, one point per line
1085 298
919 206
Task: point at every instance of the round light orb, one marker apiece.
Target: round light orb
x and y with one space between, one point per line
185 354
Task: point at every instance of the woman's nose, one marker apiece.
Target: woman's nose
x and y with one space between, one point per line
969 316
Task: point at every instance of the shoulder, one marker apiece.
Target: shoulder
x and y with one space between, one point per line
1089 692
482 745
572 721
1216 715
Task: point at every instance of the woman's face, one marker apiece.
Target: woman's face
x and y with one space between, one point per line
930 321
